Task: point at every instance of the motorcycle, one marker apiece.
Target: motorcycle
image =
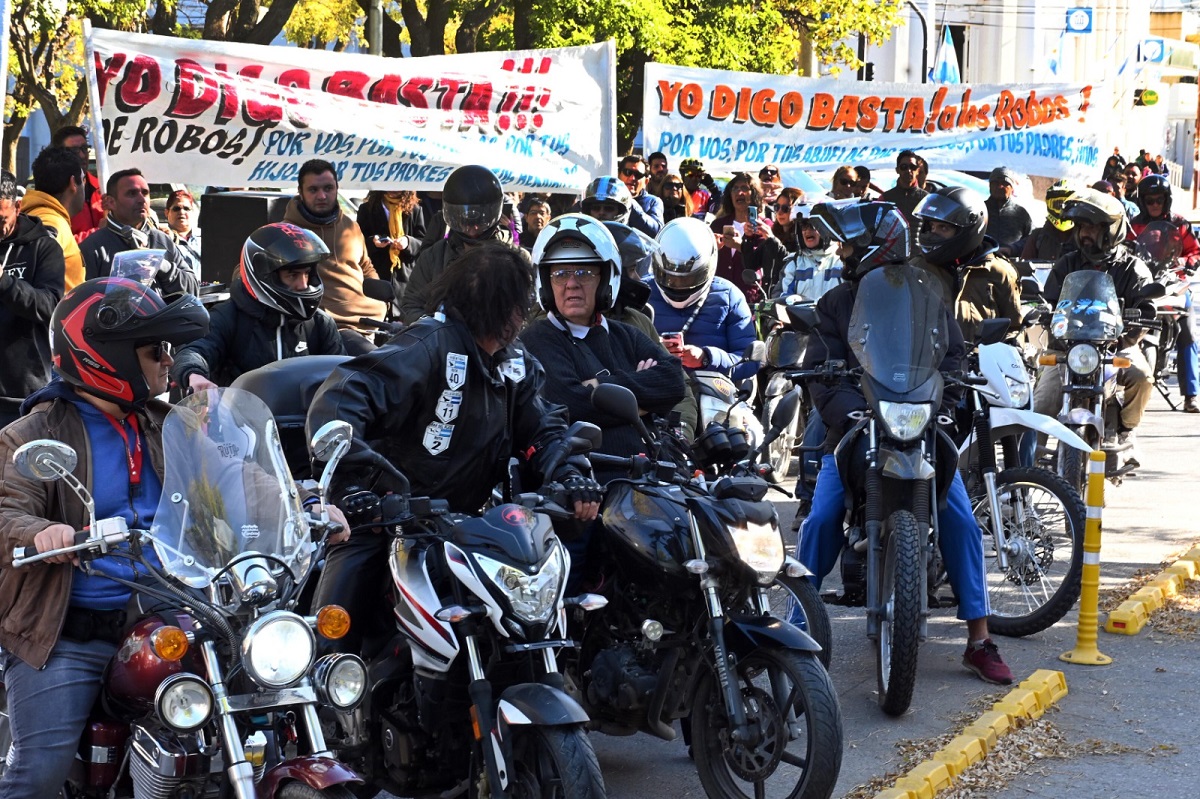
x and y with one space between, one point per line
464 693
1032 519
215 690
1159 245
688 570
784 325
723 404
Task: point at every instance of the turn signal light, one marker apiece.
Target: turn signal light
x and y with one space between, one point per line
1048 359
1120 363
170 643
333 622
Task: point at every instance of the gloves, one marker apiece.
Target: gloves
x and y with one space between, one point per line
582 489
359 505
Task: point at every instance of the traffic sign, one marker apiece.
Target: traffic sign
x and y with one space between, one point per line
1079 20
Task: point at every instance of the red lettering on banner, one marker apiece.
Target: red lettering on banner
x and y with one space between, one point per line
385 90
107 71
892 106
821 113
413 93
723 101
195 90
347 83
229 96
140 84
295 79
846 117
868 114
260 112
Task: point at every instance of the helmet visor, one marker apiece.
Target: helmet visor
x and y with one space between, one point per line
472 219
938 208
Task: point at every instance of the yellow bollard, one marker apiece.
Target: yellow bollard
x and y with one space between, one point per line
1085 651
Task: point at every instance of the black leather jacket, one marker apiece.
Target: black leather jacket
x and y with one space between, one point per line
442 411
1129 274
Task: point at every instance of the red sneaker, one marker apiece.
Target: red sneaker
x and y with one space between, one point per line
984 659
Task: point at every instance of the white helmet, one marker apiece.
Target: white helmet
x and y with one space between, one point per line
607 199
688 262
576 240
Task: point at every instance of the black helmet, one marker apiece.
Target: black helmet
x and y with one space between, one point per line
572 241
638 250
1098 208
878 232
283 246
1154 184
472 198
952 205
96 329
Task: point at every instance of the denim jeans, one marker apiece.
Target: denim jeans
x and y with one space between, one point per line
48 709
810 460
1186 357
822 537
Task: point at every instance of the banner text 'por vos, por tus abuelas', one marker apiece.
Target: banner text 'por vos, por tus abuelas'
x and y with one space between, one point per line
863 114
137 81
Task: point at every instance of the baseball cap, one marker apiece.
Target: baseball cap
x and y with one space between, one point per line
1003 174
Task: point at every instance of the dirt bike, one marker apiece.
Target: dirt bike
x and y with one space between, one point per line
688 568
216 686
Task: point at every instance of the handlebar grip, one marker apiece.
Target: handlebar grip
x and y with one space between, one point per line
20 553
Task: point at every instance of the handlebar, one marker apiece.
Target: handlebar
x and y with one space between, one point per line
108 532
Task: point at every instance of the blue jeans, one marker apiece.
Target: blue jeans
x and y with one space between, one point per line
822 538
810 460
1187 361
48 709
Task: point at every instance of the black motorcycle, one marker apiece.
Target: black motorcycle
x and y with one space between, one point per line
687 568
784 324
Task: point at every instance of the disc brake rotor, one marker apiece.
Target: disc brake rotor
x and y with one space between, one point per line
754 763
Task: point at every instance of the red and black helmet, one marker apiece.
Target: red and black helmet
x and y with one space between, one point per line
96 329
283 246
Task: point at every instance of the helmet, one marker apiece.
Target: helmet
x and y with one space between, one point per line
96 329
878 232
1098 208
638 250
1056 197
688 262
953 205
576 239
283 246
611 192
472 198
1154 184
690 165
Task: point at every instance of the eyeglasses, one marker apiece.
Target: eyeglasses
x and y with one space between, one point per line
79 148
180 208
1156 200
847 182
906 167
560 277
673 185
769 173
633 173
160 349
780 208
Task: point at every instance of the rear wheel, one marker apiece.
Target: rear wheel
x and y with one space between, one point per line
900 620
796 600
1043 522
779 453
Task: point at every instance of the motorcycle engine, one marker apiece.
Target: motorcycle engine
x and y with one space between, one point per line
620 681
163 763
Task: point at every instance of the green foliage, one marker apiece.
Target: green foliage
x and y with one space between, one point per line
315 23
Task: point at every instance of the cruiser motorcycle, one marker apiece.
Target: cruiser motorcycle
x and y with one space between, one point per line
216 686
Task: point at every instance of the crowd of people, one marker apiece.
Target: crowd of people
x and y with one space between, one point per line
646 278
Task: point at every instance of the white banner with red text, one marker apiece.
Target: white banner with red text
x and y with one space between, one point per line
743 121
215 113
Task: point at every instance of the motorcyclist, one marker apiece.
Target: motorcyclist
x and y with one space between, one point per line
111 344
607 199
1154 202
709 313
273 313
978 283
1101 228
1054 237
472 203
815 267
448 402
873 235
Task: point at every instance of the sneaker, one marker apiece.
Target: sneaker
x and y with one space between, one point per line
984 659
1190 405
1127 440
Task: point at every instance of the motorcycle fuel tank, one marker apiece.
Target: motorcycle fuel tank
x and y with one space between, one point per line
136 671
647 527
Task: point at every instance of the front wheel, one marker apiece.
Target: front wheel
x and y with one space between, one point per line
554 763
794 746
1073 463
779 452
900 619
1043 520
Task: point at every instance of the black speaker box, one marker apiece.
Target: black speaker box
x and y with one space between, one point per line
226 220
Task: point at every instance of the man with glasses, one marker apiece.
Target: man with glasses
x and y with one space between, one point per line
646 214
772 184
706 195
182 212
907 192
91 216
1154 200
1008 223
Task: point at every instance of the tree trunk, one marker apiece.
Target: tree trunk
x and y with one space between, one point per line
473 21
427 33
521 25
12 134
166 17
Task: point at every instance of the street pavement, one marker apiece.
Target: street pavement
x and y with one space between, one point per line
1138 709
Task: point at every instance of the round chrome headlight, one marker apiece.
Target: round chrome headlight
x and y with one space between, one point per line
760 546
341 680
184 702
278 649
1083 359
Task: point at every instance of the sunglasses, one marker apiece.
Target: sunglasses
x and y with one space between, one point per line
160 349
847 182
906 167
560 276
180 208
781 208
769 173
1156 200
673 185
633 173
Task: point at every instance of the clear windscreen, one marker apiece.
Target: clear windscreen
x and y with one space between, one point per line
1088 308
898 327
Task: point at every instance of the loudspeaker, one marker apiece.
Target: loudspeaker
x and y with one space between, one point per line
226 220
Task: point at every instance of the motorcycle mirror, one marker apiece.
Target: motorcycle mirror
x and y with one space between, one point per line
45 459
584 437
804 317
785 409
331 435
1151 291
749 277
1030 287
619 401
378 289
756 352
746 389
992 331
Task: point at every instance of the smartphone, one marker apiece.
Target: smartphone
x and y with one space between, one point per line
383 241
752 216
672 340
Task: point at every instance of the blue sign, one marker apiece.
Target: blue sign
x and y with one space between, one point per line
1152 50
1079 20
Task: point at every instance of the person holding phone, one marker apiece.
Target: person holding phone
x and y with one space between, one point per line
742 226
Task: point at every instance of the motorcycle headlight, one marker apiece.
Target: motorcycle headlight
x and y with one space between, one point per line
278 649
532 596
760 546
1083 359
184 702
905 420
341 680
1018 390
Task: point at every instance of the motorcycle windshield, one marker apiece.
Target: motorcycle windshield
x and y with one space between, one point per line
1088 309
897 327
1159 245
227 489
138 265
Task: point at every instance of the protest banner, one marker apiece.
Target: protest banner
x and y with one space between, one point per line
216 113
742 121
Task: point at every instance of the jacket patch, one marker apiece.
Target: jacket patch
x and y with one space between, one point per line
448 406
456 370
514 369
437 437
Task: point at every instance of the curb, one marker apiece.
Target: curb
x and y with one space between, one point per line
1029 700
1132 614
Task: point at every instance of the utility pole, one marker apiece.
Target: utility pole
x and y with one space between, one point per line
924 40
375 28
